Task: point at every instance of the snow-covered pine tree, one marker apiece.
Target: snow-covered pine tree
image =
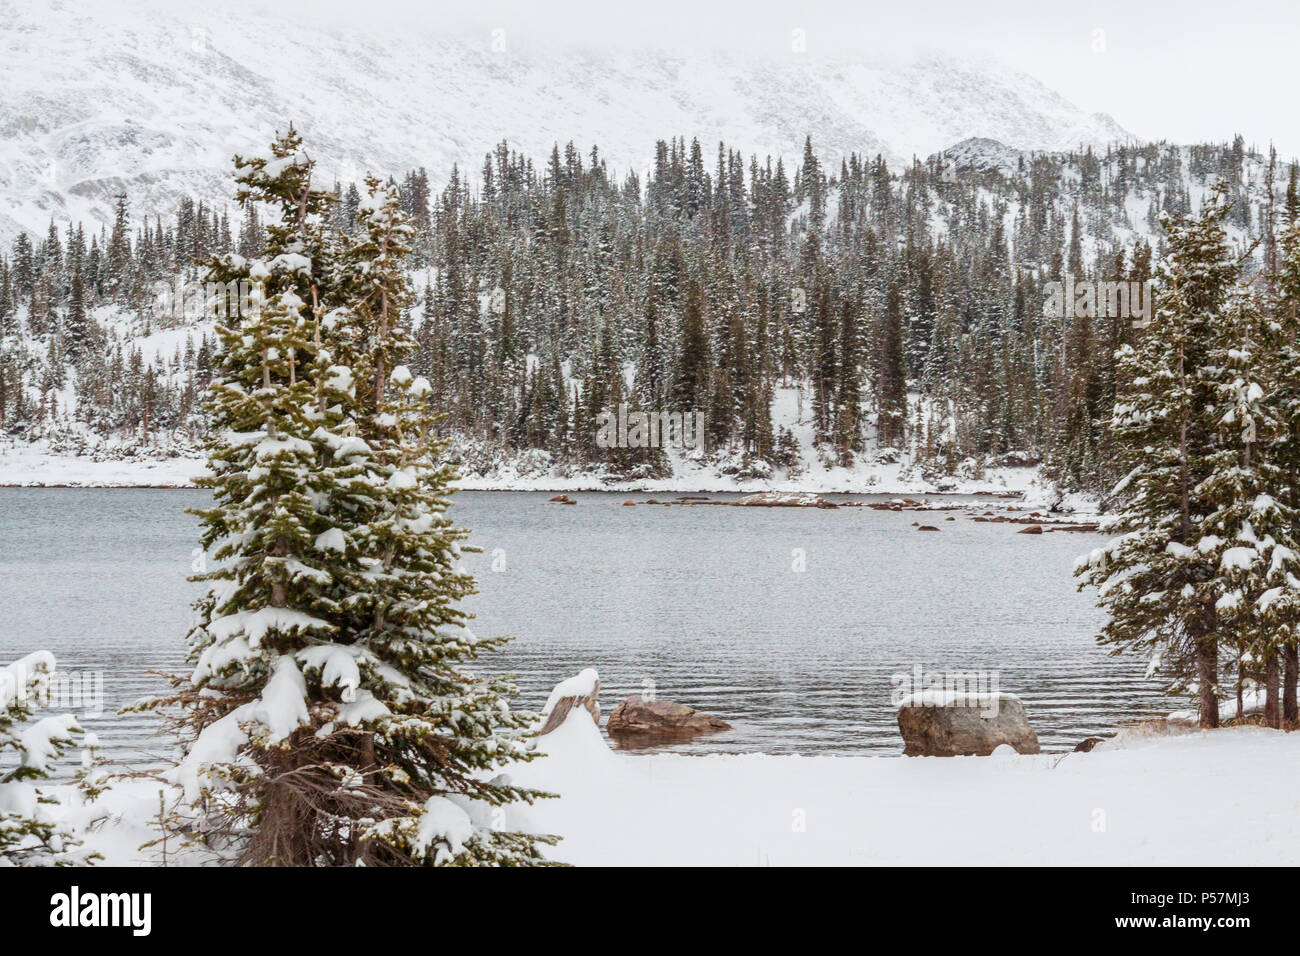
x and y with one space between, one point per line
269 601
1159 588
244 703
330 723
1284 313
29 834
891 374
1250 533
442 732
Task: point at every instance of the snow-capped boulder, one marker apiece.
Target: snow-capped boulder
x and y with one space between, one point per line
938 724
648 718
582 691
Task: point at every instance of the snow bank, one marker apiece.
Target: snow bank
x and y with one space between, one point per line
1124 804
1130 802
575 758
121 821
33 466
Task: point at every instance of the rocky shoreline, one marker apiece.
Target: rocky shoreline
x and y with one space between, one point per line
932 723
1036 521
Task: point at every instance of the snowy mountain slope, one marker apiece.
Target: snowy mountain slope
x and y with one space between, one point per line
128 94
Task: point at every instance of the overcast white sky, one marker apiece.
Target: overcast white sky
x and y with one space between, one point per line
1190 71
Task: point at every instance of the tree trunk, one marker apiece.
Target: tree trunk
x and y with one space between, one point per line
1290 678
1207 675
1241 684
1272 712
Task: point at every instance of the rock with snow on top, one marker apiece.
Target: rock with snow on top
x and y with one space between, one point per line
939 724
580 691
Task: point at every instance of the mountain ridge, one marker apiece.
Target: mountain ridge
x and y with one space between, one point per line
165 99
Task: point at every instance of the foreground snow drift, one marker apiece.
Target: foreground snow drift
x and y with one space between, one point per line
1226 797
1217 798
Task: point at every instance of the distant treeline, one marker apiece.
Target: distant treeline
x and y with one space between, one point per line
555 292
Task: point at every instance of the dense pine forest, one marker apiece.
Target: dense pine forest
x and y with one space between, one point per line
901 309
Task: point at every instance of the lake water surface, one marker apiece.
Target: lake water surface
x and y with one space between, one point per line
703 603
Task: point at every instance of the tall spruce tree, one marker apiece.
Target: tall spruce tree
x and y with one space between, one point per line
1250 533
891 374
326 719
1284 312
1159 587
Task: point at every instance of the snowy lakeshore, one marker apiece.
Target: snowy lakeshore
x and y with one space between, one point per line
1125 803
96 462
1122 804
32 465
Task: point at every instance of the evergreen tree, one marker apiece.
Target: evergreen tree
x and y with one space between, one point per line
328 723
1155 581
891 380
77 333
1284 332
691 380
848 425
119 253
1250 533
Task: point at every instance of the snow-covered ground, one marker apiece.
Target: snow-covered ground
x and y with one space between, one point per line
121 821
874 472
863 479
33 465
1225 797
1205 798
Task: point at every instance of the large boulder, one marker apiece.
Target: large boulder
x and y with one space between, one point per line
581 691
642 717
935 725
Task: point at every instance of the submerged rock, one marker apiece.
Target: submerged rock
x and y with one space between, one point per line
935 724
639 717
1032 529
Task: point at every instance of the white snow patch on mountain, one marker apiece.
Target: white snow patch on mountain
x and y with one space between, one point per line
116 95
